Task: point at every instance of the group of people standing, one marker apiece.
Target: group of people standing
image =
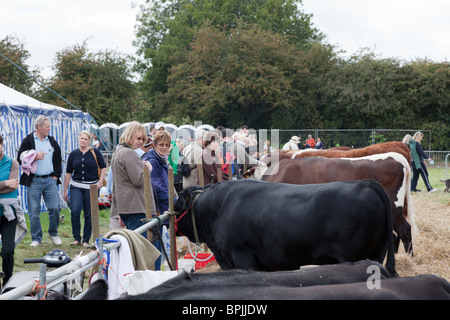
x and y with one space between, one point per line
295 143
218 152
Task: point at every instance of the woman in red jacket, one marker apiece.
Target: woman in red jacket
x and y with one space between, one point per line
311 142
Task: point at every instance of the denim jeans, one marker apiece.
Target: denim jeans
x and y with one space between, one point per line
80 199
46 188
133 221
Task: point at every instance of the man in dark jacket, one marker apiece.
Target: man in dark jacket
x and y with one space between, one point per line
43 181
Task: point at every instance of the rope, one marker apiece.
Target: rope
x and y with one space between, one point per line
176 221
104 261
37 288
189 244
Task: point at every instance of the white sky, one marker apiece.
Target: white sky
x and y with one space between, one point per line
49 26
395 28
404 29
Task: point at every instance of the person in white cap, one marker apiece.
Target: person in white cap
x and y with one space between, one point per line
160 126
292 144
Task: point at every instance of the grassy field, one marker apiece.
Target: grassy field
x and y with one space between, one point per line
432 248
24 251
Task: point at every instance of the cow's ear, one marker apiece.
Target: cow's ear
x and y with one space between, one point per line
182 203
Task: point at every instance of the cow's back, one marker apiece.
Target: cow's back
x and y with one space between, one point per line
391 146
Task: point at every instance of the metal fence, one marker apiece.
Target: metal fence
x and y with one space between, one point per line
355 138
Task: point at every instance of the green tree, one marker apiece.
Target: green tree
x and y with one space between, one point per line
234 77
165 28
99 83
10 75
361 92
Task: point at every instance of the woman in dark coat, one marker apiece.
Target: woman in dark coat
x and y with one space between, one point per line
158 158
418 165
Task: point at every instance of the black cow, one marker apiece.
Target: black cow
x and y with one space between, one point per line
423 287
256 225
284 285
347 272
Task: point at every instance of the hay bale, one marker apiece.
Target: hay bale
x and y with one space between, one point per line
432 245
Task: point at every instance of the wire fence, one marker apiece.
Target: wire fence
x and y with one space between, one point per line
354 138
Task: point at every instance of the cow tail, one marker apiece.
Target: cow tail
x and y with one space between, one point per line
390 259
410 206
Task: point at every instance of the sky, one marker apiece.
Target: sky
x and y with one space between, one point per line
403 29
392 28
50 26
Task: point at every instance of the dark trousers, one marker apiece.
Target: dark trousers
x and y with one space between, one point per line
422 172
8 232
80 199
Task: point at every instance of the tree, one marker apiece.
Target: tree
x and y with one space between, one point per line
361 92
165 28
231 78
10 75
99 83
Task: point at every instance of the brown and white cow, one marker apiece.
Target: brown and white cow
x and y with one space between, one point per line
338 152
390 169
391 146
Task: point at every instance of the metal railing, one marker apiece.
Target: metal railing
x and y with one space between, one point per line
75 267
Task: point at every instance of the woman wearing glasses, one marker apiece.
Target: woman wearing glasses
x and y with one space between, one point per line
128 179
158 158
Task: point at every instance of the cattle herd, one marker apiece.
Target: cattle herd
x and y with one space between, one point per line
343 211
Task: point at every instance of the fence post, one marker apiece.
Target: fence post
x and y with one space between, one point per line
173 252
219 173
201 181
93 193
148 200
42 281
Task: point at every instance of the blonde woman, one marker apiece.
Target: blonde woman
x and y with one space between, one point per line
418 164
128 179
81 173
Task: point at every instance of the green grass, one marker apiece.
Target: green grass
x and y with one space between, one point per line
24 251
435 175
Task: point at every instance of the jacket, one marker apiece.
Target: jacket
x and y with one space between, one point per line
209 163
29 164
9 204
160 179
417 153
193 154
28 144
128 181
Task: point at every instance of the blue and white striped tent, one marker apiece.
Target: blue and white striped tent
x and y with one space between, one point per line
17 115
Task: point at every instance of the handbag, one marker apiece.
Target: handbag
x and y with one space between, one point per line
98 168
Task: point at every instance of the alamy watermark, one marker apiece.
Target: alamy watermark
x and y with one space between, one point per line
374 280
